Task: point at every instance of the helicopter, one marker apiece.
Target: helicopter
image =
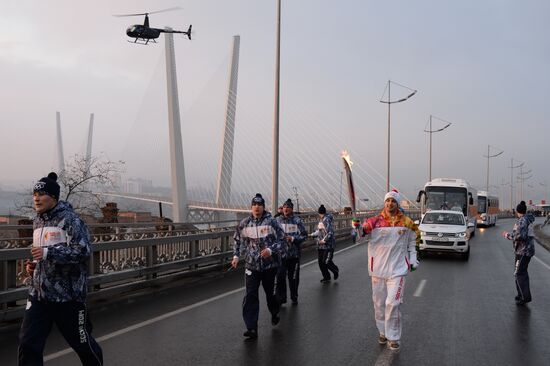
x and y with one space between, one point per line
143 33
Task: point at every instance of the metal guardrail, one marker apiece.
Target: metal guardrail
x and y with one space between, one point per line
20 236
121 266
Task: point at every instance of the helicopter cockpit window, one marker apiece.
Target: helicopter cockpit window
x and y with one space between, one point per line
131 29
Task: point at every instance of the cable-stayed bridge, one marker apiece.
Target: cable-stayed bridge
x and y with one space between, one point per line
225 173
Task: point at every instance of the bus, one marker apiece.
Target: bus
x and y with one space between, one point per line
487 209
450 194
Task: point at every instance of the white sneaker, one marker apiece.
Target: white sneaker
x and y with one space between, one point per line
382 339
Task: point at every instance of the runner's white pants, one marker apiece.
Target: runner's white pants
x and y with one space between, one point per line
387 296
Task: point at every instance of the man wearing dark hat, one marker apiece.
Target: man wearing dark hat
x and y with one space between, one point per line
523 238
279 212
59 279
325 245
260 238
295 234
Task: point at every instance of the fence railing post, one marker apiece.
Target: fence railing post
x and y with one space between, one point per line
95 265
152 256
194 253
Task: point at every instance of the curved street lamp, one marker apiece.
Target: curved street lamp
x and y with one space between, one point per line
389 102
545 185
488 156
430 131
522 178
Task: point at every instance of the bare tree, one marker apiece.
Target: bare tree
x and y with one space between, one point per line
81 181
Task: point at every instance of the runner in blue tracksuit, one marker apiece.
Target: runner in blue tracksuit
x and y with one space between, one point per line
325 245
295 234
523 237
59 279
260 238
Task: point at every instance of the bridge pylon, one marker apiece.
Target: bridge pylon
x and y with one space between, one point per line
179 188
223 192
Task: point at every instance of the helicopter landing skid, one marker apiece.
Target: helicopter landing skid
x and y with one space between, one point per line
143 42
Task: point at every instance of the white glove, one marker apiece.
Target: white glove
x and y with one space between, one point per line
413 260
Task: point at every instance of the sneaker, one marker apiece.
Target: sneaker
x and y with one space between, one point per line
282 302
393 346
251 334
294 301
336 275
522 302
325 280
517 298
382 339
275 319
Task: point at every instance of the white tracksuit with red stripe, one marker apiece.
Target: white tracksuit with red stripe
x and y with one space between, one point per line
391 251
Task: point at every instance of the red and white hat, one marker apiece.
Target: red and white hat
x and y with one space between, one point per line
393 194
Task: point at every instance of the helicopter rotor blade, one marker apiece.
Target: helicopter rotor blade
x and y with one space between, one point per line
163 10
151 12
129 15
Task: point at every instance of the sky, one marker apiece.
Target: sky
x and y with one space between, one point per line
481 65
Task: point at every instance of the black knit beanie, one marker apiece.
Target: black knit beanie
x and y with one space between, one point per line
288 203
258 199
48 185
322 210
521 208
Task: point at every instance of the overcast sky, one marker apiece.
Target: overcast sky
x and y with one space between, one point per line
482 65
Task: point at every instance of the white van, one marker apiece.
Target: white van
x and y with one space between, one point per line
445 231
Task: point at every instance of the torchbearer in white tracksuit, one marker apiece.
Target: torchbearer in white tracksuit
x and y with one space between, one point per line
391 255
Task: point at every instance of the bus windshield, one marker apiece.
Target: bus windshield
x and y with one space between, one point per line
481 204
447 198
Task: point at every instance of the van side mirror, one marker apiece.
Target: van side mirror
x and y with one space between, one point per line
471 224
419 197
417 222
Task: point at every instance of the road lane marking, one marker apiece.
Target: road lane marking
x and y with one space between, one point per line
541 262
420 288
148 322
170 314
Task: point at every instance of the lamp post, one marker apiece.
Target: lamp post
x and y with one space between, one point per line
275 187
341 180
295 189
512 167
502 189
522 178
545 185
431 131
488 156
389 102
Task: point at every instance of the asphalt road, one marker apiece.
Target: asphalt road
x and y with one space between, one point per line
454 313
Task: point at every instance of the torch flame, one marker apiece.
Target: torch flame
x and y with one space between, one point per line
347 159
